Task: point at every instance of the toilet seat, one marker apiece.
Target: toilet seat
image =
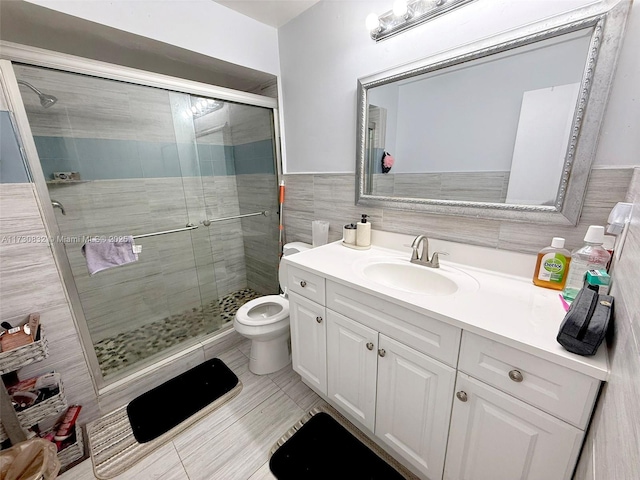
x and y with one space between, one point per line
263 311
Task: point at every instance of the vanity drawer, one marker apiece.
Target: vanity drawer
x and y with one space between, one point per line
307 284
425 334
558 390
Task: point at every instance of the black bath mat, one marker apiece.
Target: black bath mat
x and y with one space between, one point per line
159 410
324 449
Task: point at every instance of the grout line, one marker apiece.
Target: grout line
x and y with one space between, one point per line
593 458
180 459
256 470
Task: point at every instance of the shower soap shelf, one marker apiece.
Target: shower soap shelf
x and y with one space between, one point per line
66 182
35 414
19 357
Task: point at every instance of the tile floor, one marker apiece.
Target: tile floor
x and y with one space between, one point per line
232 443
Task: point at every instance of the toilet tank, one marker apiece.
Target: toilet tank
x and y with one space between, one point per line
289 249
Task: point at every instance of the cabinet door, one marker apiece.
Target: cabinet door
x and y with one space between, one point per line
497 437
309 341
414 399
351 360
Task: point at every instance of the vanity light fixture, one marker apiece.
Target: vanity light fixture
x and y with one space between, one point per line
406 14
400 8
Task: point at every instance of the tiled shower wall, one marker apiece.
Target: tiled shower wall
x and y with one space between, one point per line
257 187
331 197
175 272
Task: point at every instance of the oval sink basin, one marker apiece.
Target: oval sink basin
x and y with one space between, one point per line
410 278
401 275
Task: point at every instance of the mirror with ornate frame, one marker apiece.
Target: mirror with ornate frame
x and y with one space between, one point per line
505 128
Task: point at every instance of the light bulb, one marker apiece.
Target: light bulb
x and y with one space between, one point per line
400 8
194 109
372 21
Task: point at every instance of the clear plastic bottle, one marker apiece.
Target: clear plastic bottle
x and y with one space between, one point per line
590 256
552 265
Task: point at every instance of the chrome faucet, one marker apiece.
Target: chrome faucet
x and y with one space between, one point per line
423 258
56 204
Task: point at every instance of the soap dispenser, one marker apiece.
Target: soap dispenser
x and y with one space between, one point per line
363 232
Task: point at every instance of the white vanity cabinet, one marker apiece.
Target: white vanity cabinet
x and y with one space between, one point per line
398 393
494 436
515 415
413 405
451 404
308 327
308 341
352 355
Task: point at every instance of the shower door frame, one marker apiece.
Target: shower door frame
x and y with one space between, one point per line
37 57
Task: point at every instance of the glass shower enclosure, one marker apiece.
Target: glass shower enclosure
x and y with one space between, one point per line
192 177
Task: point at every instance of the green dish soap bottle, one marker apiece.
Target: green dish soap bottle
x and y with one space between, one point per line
552 266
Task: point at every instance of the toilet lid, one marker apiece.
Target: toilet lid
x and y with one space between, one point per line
263 311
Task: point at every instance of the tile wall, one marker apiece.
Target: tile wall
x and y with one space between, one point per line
257 191
612 447
465 186
30 282
331 197
175 272
260 244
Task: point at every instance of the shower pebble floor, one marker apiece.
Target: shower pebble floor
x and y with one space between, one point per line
116 353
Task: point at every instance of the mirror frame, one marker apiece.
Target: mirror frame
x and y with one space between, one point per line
608 23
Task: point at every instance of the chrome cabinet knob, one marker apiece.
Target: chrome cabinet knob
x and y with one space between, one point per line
369 346
381 352
319 319
303 284
462 396
516 376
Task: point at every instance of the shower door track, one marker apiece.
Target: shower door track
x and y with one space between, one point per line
12 52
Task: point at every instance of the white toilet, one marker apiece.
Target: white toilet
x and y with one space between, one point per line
265 321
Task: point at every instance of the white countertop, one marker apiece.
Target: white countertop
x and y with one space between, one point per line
505 307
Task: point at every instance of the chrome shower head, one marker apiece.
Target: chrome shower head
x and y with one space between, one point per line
45 100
